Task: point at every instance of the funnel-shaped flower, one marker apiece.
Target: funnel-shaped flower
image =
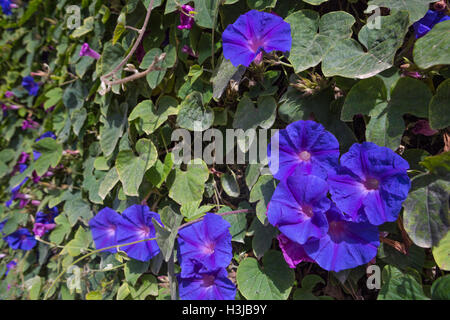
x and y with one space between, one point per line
87 51
21 239
211 285
252 33
424 25
30 85
136 224
371 183
208 242
304 146
346 245
293 252
298 207
6 7
104 229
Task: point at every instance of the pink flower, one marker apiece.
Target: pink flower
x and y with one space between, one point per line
423 127
187 21
40 229
293 252
87 51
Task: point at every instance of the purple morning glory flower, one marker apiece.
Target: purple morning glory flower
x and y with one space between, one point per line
87 51
11 265
30 85
424 25
346 245
371 183
211 285
298 207
40 229
136 224
9 94
104 229
305 145
21 239
23 158
207 242
293 252
252 33
16 189
186 20
48 134
29 124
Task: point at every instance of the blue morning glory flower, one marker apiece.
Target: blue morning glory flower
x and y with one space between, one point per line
298 207
6 7
255 32
104 229
21 239
207 242
211 285
48 134
306 146
424 25
136 224
2 224
31 86
46 218
371 183
346 245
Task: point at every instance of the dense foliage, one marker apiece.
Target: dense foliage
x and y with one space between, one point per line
95 205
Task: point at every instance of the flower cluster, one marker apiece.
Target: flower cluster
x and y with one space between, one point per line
134 225
367 189
204 252
252 34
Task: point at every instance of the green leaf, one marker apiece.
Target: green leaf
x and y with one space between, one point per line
165 237
230 185
398 285
262 237
54 96
134 269
76 208
440 290
308 46
114 124
438 111
205 15
223 74
79 243
189 185
94 295
249 117
262 193
433 48
261 4
148 287
193 115
51 152
238 224
438 165
123 292
416 8
152 118
88 26
159 172
441 253
108 183
131 169
63 228
386 125
348 59
272 282
426 215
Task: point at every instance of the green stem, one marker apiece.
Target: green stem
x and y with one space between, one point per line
88 255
